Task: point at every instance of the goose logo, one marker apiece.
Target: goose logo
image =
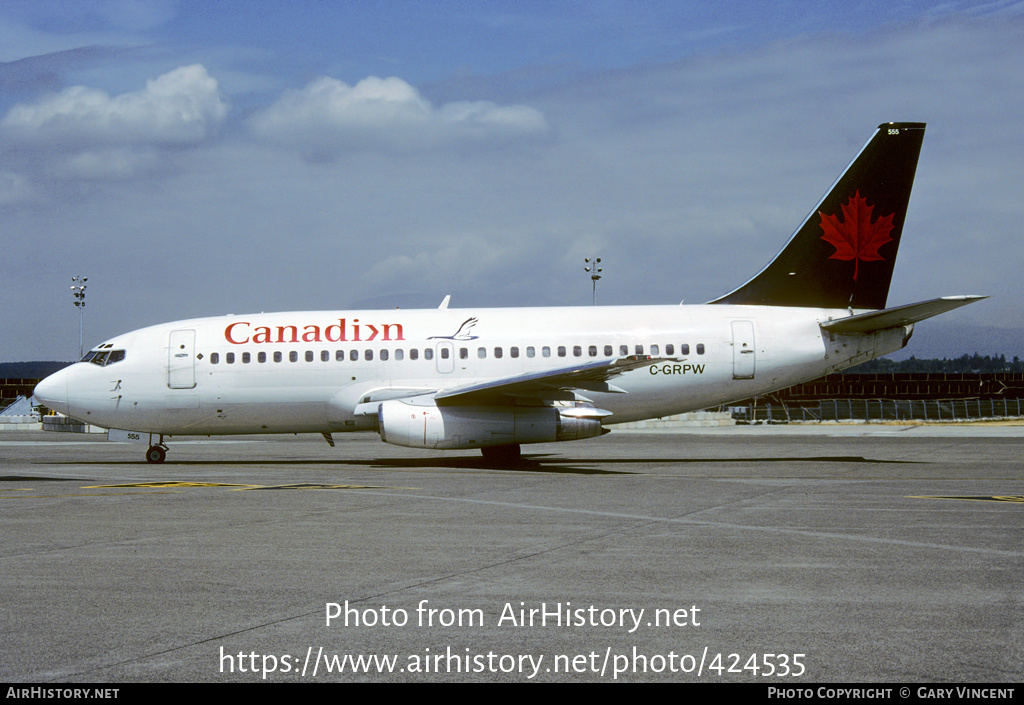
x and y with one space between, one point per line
463 333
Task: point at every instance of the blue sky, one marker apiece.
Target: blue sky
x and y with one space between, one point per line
200 158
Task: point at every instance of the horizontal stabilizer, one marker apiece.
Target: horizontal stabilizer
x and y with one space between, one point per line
897 316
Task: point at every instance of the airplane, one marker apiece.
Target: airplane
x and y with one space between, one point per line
498 378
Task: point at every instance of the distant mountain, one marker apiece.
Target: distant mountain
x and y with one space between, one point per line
30 370
934 339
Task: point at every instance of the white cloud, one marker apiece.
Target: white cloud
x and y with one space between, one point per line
14 188
180 107
468 264
110 164
328 116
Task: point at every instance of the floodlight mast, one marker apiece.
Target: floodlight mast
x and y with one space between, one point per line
595 273
78 291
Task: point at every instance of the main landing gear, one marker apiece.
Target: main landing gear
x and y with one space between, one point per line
502 455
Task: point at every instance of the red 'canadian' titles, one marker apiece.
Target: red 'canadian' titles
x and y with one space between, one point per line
243 332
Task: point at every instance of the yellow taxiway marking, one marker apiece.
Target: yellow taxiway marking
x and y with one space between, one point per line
173 486
168 483
234 486
94 494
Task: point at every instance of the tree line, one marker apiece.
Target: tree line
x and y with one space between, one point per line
965 363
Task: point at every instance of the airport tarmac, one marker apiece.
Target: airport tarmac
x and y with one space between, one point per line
774 555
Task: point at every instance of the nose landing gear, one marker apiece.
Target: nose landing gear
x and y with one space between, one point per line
157 452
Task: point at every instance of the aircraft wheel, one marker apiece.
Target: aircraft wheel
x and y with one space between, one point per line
502 455
156 454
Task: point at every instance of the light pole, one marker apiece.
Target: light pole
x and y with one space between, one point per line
78 291
595 273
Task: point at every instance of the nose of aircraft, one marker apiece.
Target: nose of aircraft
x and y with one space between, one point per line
52 392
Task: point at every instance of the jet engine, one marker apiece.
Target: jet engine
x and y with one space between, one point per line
457 427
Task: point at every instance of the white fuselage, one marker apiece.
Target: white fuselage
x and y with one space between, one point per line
309 371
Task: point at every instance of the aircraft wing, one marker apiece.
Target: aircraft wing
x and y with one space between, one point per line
554 384
898 315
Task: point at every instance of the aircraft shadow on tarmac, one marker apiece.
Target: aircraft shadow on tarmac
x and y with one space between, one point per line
527 463
548 463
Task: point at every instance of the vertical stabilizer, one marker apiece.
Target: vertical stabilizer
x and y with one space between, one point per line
843 254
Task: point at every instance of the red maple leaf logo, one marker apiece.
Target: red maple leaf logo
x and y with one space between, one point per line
856 237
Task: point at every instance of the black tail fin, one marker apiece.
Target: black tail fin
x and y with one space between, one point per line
844 252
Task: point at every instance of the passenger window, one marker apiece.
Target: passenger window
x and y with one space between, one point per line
513 351
445 353
414 354
339 355
229 358
592 351
623 350
277 356
399 354
670 349
654 350
309 356
607 350
530 352
428 353
368 355
700 348
497 352
261 357
684 349
545 351
353 355
481 353
293 356
577 350
639 349
214 358
325 356
463 353
561 351
246 358
384 354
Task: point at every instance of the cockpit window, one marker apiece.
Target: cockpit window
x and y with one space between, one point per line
104 358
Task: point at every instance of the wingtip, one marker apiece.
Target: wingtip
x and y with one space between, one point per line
970 298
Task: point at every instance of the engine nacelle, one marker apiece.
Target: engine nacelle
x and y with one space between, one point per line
460 427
